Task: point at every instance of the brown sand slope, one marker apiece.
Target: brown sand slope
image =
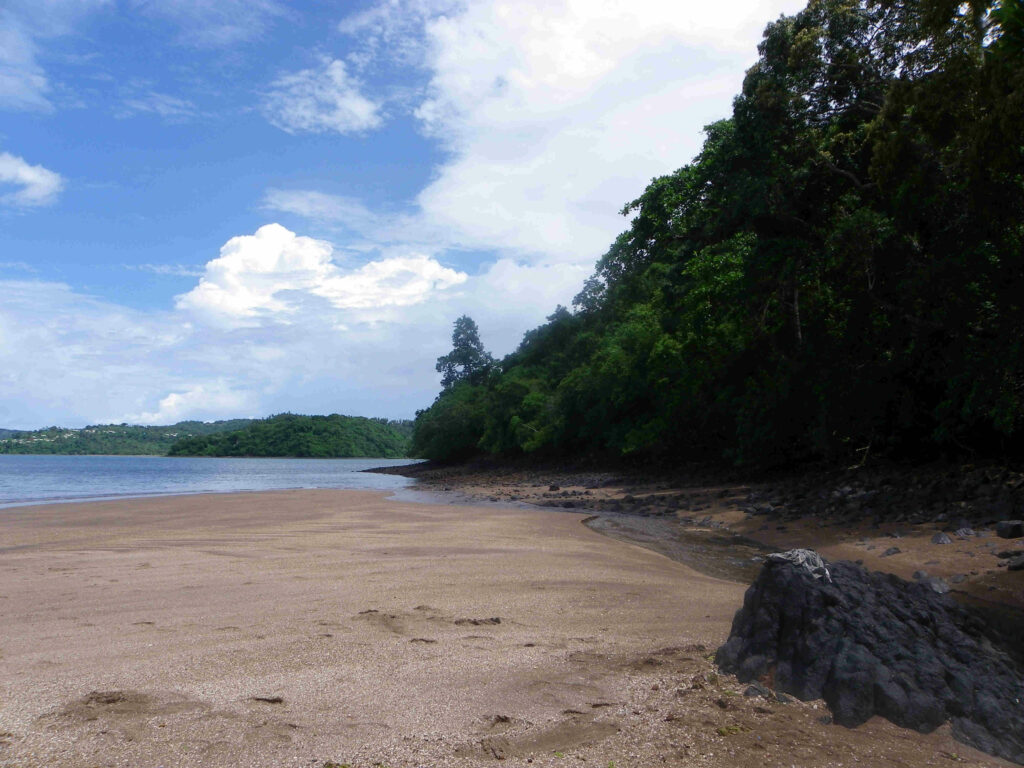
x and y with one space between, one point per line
300 628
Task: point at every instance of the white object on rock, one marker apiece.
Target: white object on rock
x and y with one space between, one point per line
807 559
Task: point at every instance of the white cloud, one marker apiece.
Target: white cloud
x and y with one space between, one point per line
272 275
38 186
27 25
24 84
319 100
215 23
206 401
361 340
72 359
163 105
553 115
322 208
68 357
174 270
392 28
558 112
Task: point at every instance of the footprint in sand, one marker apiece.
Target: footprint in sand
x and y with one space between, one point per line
574 731
388 621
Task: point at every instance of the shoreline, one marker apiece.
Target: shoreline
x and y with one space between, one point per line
338 477
309 627
727 507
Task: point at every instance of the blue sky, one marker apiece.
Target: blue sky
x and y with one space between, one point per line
220 208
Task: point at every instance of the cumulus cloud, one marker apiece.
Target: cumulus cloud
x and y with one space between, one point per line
273 274
37 186
553 113
557 112
282 327
72 359
204 401
321 99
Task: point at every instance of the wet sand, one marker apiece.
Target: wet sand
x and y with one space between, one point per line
305 628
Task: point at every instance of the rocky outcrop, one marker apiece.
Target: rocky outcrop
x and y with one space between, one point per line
873 644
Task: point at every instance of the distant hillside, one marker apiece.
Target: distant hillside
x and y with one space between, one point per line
292 435
111 439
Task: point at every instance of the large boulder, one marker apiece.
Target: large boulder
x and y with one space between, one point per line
873 644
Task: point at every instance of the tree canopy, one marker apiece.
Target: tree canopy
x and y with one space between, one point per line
292 435
468 361
840 270
110 439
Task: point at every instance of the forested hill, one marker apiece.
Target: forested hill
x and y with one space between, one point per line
319 437
839 273
110 439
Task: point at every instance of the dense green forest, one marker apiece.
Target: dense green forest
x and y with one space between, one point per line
838 273
110 439
318 437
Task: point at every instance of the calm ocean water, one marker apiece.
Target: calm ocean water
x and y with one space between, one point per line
38 479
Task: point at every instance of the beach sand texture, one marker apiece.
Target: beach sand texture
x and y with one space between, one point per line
303 628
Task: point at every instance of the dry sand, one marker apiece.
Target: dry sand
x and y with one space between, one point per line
306 628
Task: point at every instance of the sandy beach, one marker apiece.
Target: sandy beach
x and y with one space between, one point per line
313 628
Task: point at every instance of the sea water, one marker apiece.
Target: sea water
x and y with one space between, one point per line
46 479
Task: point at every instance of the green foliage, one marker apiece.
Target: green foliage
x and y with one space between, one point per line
291 435
450 430
468 361
110 439
842 265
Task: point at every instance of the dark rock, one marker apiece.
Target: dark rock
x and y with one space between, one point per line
959 578
937 585
1010 529
919 575
941 538
1017 564
554 488
756 689
874 644
1008 553
964 533
891 551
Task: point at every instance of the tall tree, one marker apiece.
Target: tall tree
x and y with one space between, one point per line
468 361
